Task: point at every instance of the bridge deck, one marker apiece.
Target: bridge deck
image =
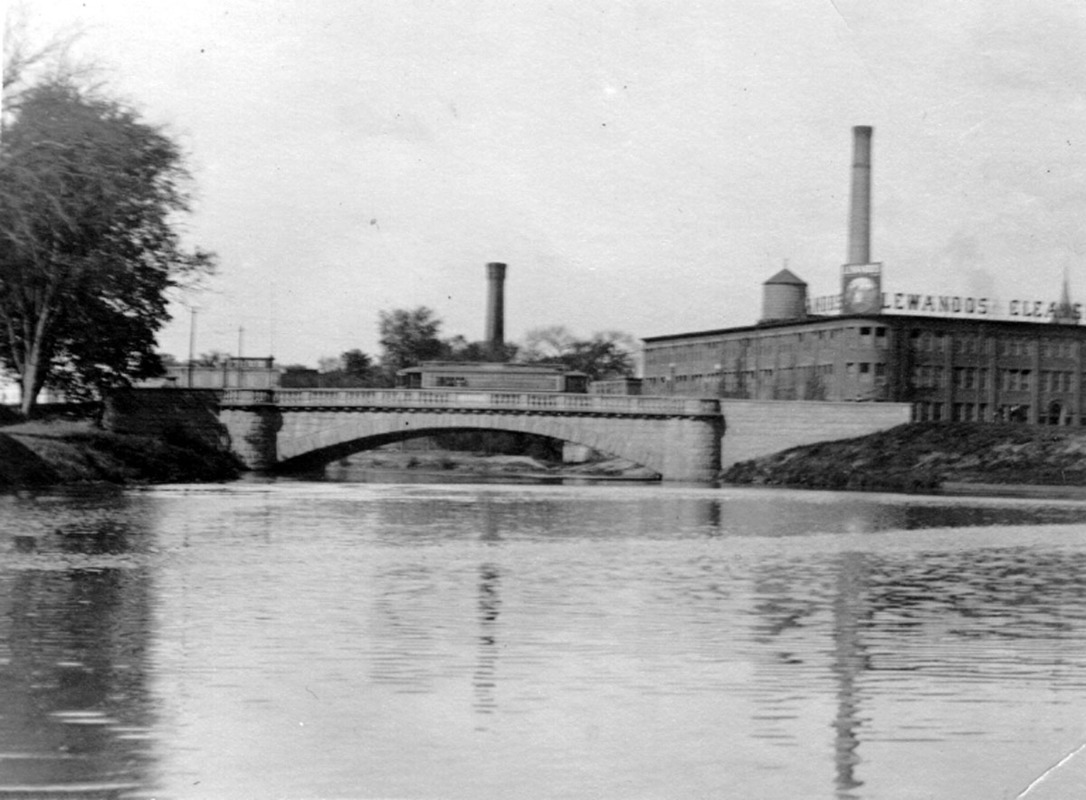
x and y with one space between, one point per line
452 400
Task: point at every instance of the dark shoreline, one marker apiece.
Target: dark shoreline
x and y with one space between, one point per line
933 458
52 453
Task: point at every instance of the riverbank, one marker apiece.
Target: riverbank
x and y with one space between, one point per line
42 453
927 457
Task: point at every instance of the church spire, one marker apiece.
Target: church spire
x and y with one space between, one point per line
1066 314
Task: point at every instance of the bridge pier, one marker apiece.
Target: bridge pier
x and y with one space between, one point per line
254 434
691 451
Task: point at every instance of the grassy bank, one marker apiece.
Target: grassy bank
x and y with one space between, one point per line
926 456
41 453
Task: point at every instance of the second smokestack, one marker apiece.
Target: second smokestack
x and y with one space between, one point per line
859 222
495 307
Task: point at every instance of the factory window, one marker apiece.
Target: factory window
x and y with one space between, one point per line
1016 380
880 337
982 412
865 368
865 331
936 411
880 370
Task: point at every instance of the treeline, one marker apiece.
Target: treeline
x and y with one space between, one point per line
411 336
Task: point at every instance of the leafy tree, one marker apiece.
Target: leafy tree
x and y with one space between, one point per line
351 370
457 348
212 358
88 250
357 363
409 336
549 343
607 354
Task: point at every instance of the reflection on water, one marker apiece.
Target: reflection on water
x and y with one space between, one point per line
74 632
297 639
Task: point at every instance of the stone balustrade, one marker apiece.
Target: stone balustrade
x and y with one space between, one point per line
624 405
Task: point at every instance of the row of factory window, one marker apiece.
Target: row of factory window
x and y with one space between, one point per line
874 335
973 344
969 412
714 350
1054 413
1010 380
958 412
865 370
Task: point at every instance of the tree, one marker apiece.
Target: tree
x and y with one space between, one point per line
543 344
88 251
351 370
606 354
457 348
409 336
356 363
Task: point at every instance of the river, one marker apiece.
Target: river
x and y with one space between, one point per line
366 638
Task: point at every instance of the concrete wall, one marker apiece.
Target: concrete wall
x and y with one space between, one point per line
760 427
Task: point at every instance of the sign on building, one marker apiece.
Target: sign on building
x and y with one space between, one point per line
861 288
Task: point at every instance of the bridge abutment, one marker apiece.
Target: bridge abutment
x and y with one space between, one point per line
254 434
691 451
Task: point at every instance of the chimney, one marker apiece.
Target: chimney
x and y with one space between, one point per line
859 221
495 307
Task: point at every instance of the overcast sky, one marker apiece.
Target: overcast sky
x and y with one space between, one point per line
641 166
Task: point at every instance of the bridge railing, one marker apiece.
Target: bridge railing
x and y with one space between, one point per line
451 399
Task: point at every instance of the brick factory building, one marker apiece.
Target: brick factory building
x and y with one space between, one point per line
952 357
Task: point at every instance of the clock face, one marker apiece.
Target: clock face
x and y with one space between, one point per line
861 294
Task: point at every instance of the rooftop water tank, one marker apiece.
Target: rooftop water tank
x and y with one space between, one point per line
784 297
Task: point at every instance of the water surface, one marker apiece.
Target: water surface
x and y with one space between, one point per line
345 640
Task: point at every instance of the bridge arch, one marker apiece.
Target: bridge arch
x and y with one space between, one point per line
305 442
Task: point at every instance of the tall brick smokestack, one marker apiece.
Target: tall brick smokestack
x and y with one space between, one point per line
495 307
859 218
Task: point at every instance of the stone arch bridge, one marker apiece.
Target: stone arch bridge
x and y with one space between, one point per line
678 437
